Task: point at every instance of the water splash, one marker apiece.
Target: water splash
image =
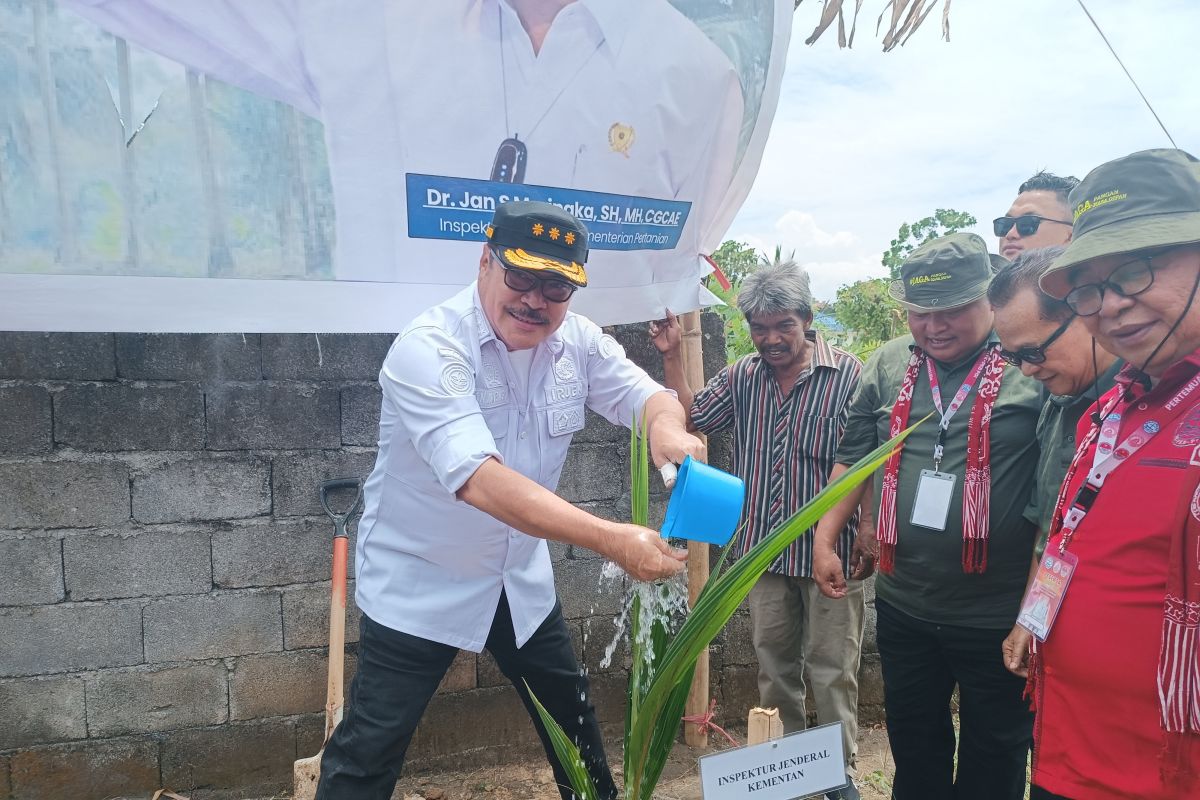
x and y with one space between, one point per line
665 601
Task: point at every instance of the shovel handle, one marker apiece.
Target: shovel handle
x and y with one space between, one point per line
340 519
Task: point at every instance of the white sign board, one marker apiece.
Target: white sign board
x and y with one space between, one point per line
798 765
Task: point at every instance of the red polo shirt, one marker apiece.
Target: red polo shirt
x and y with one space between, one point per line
1097 733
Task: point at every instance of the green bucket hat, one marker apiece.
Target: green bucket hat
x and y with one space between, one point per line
1143 201
946 272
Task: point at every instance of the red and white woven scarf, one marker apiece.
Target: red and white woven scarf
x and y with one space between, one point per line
977 482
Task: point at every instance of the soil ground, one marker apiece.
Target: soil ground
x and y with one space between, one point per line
532 780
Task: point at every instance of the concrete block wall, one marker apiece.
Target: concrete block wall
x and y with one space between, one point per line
164 563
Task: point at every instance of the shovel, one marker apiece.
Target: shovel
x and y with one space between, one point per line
307 771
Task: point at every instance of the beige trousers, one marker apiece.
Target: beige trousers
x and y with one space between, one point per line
795 627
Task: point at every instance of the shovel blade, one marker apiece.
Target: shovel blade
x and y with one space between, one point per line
306 773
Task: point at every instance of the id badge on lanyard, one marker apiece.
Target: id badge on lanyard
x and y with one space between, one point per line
931 506
1045 594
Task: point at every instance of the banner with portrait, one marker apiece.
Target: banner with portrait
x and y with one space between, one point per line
322 165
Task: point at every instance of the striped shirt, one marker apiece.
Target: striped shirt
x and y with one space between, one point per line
783 447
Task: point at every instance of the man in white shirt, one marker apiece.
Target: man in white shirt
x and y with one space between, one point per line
481 395
626 97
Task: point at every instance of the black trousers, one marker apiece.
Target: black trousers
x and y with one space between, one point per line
922 662
1038 793
399 673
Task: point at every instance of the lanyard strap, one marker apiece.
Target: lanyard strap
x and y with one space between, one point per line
1109 455
956 403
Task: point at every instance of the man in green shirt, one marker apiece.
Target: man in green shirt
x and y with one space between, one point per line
1042 337
954 547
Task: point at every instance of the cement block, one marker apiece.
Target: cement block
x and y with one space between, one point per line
496 717
608 693
256 759
203 489
360 415
272 553
273 416
584 592
213 626
638 348
69 636
594 472
306 616
209 357
134 564
487 672
63 494
324 357
870 682
600 642
736 694
712 329
122 416
60 356
156 699
5 783
597 429
461 675
34 574
27 424
734 645
277 684
42 710
296 479
95 769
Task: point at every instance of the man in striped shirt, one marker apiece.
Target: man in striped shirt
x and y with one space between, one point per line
787 406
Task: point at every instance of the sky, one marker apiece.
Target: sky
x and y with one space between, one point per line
864 141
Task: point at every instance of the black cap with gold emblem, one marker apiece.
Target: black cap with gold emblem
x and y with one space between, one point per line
540 237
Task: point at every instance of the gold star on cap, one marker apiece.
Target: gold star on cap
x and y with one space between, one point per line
554 234
489 231
570 237
538 228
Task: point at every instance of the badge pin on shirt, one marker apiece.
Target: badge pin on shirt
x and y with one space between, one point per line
620 138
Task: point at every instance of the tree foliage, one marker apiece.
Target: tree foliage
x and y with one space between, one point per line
913 235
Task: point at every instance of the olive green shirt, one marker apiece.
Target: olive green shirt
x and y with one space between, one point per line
1056 440
928 582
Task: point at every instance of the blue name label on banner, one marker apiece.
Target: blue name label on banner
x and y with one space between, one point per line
441 207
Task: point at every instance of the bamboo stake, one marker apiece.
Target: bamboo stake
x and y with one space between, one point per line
697 564
763 725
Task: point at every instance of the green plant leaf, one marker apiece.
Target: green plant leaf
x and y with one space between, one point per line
567 752
647 743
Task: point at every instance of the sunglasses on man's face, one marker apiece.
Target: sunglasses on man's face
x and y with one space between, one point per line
1027 224
521 281
1035 355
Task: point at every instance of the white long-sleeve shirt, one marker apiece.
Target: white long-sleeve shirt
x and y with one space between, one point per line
429 564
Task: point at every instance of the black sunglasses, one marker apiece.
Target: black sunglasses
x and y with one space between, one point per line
1035 355
555 291
1027 224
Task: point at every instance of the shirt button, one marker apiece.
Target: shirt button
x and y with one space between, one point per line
1141 406
1070 438
522 434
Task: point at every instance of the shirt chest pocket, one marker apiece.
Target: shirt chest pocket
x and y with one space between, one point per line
556 425
498 419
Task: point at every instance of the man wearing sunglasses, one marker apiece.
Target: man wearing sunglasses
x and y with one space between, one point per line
1039 217
481 396
1117 673
1047 341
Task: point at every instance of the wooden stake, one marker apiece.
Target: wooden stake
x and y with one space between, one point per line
697 564
763 725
